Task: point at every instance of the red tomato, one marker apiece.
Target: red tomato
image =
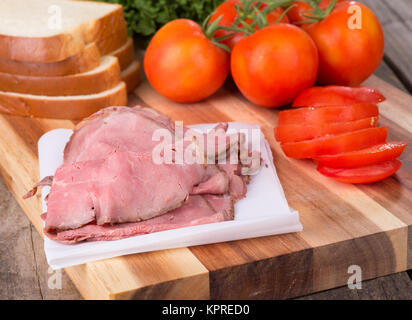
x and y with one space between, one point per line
378 153
335 144
182 64
271 66
364 174
228 11
350 49
296 132
337 95
327 114
295 14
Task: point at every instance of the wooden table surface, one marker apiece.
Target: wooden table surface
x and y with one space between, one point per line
24 273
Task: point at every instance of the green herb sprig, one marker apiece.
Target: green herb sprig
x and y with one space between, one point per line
145 17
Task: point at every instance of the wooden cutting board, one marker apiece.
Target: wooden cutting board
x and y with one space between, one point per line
367 225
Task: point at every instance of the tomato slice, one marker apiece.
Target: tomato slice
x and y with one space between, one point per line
378 153
337 95
364 174
295 132
327 114
335 144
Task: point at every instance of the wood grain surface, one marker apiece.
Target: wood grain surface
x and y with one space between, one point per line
373 232
344 224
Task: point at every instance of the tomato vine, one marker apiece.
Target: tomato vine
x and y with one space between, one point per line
251 16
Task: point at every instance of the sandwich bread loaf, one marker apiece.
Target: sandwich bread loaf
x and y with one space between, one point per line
70 73
53 30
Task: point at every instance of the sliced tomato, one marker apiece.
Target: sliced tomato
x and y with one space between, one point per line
295 132
327 114
337 95
364 174
335 144
378 153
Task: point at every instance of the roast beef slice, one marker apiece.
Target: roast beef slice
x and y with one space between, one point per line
196 211
125 187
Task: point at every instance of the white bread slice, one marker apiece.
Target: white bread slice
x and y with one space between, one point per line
68 107
29 30
131 76
113 42
101 78
86 60
125 54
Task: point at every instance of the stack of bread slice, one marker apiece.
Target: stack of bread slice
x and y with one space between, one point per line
64 59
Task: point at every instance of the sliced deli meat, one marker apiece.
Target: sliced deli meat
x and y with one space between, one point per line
131 129
215 181
237 184
196 211
123 128
45 182
118 189
111 186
